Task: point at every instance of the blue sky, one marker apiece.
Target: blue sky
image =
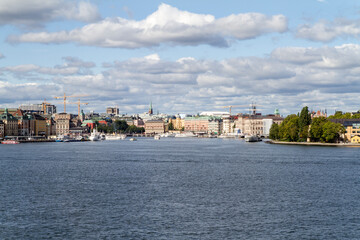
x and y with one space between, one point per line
184 56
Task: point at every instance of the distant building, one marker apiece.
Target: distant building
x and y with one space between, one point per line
257 124
154 126
43 108
2 129
62 123
355 139
10 122
112 110
318 113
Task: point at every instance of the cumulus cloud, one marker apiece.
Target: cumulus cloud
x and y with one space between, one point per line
288 78
166 25
326 31
38 12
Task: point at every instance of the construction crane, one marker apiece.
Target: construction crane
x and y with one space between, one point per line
78 103
231 106
65 97
44 104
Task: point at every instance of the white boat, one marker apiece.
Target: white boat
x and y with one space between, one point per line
187 134
122 136
133 139
102 137
167 135
112 137
95 135
157 137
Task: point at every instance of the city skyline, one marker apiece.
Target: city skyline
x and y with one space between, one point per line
184 56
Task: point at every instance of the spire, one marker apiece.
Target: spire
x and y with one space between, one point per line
150 108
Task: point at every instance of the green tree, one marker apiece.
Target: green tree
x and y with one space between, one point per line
171 126
331 132
274 132
304 122
121 125
316 129
289 129
135 129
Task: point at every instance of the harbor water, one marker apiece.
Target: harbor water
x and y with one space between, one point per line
176 188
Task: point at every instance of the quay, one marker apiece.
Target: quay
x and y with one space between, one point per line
315 144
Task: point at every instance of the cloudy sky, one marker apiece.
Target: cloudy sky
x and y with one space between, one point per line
184 56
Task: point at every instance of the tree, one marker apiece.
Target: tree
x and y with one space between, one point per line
121 125
289 129
171 126
274 132
304 122
316 130
331 132
135 129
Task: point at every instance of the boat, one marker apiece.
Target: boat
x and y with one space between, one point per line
122 136
133 139
102 137
95 135
167 135
157 137
252 138
112 137
183 135
9 141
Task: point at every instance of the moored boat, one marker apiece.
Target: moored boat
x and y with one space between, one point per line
9 141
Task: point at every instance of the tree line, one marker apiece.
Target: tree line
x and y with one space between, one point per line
300 127
119 126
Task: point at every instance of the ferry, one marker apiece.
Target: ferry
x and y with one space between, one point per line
10 142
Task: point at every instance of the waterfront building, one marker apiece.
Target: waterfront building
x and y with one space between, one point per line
228 124
215 125
257 124
199 124
178 123
355 139
62 123
40 125
2 129
139 123
10 122
154 126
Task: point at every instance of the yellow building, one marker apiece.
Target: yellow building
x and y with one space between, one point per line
352 130
355 139
40 125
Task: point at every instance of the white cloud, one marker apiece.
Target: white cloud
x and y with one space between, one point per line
325 31
321 77
38 12
167 25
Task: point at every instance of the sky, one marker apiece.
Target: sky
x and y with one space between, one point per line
183 56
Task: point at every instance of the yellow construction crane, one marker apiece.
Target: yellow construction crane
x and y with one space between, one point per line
65 97
44 104
78 103
231 106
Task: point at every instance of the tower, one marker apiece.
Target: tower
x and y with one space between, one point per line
150 108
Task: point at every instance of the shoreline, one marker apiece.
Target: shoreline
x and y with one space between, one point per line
315 144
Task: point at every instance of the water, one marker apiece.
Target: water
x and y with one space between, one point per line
178 189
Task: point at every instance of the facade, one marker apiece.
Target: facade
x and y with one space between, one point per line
2 129
355 139
40 125
257 124
215 125
11 124
112 110
154 126
62 123
198 124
